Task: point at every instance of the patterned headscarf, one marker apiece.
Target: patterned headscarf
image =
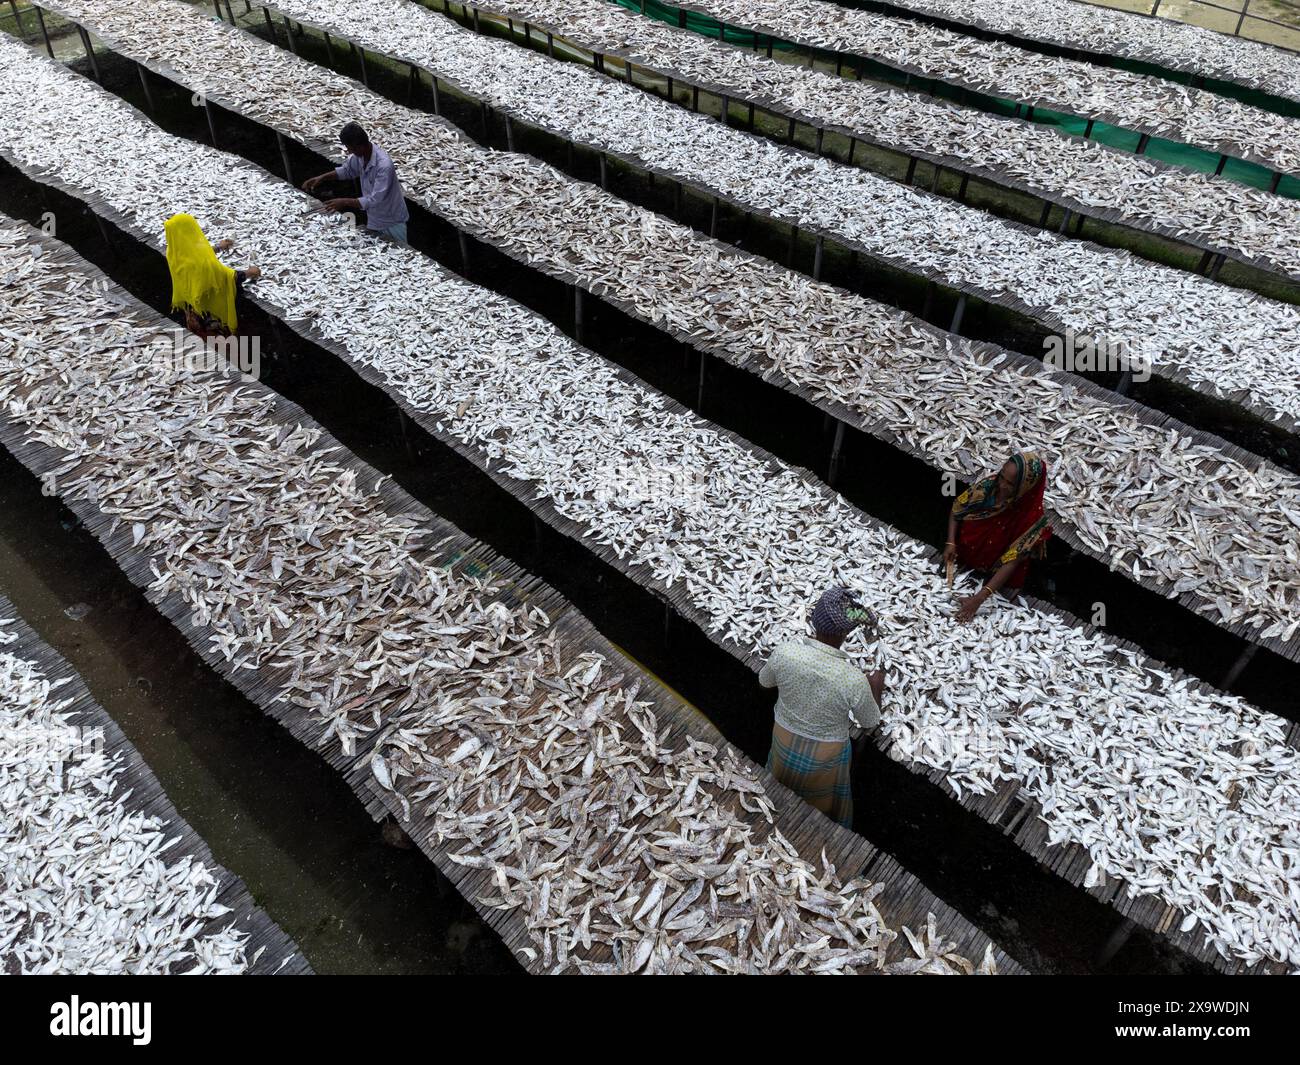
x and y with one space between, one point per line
838 613
981 499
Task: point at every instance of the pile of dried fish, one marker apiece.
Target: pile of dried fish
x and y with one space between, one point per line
1187 794
1206 533
617 848
1080 174
1176 45
86 882
1222 340
1135 101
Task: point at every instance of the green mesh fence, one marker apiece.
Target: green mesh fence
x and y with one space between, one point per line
1168 151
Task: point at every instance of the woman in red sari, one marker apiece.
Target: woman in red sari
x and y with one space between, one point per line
997 525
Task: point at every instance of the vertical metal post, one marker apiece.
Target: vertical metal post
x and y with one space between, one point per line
832 470
1243 660
40 17
284 157
1143 141
958 314
144 84
1223 161
90 52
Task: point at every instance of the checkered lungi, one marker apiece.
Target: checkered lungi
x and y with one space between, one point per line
814 770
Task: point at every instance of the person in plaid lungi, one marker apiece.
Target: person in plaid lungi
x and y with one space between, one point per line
820 696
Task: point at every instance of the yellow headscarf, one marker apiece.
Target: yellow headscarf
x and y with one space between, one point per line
200 281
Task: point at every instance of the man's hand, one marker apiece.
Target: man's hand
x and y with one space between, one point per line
339 203
311 183
253 273
225 245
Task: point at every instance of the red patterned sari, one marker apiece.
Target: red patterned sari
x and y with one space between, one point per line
991 534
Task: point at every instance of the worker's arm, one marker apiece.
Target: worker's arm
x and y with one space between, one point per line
343 203
950 547
339 173
766 677
971 604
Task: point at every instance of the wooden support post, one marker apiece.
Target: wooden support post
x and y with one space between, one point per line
699 394
485 113
853 147
770 41
793 247
477 27
577 314
1124 383
365 74
103 232
669 93
550 44
1277 177
284 157
463 241
604 173
713 219
1047 210
911 170
1087 130
934 180
144 84
90 51
961 189
821 137
1143 141
751 118
288 35
789 136
510 134
1223 161
437 96
725 114
270 24
628 64
329 50
958 314
1240 21
1205 262
833 468
18 21
1123 932
406 437
1239 666
1065 221
230 14
40 17
677 197
598 61
212 126
818 252
412 82
1218 265
695 98
216 6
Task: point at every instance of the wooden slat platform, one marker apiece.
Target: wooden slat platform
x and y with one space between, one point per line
135 787
811 831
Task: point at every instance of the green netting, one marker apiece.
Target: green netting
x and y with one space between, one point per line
1174 152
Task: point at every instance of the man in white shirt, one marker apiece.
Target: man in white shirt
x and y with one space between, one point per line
821 695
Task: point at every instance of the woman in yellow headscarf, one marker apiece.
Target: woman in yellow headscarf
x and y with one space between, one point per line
202 285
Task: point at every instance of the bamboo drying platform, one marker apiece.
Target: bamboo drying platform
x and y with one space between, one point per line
758 364
1042 317
1097 111
138 790
903 901
1103 50
1075 206
1065 860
